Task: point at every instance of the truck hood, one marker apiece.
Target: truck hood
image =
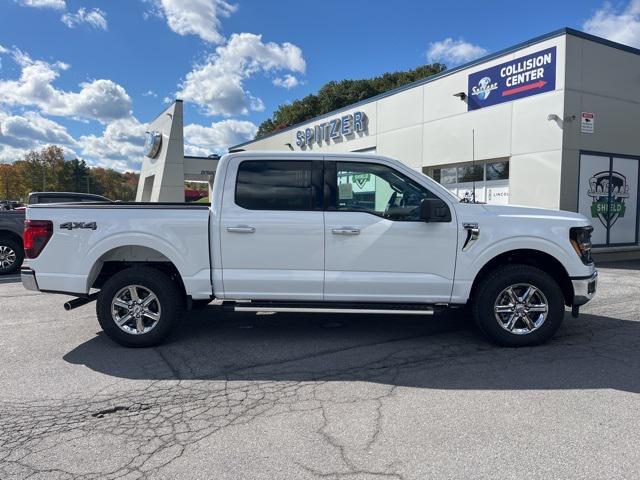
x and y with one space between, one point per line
514 211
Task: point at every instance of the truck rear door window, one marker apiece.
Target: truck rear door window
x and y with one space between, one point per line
279 185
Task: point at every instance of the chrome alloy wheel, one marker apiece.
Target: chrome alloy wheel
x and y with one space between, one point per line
7 257
135 309
521 308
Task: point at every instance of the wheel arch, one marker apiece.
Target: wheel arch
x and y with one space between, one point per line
535 258
120 258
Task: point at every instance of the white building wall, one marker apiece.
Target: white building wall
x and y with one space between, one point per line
427 126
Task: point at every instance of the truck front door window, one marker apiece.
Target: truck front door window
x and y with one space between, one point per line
379 190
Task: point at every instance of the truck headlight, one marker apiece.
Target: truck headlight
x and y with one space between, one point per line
581 242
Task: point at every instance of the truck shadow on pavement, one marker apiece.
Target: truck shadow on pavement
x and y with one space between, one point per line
444 352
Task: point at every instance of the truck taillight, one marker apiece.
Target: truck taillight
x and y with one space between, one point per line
36 235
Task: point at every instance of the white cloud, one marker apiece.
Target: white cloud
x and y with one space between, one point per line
202 141
102 100
56 4
194 17
453 51
24 132
120 146
618 25
150 93
217 84
31 130
95 18
288 81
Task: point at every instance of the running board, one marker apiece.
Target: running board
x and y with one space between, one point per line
301 309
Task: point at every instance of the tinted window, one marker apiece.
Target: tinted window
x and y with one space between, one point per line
498 171
380 190
276 185
448 175
470 173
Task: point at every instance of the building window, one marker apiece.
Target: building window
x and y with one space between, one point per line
488 181
447 175
497 170
470 173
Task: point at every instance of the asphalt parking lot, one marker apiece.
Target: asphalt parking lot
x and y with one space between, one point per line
239 396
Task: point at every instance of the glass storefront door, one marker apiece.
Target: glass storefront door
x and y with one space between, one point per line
608 195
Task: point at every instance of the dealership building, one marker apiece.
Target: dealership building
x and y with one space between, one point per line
552 122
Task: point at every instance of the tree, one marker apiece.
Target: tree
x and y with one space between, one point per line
47 170
335 95
10 182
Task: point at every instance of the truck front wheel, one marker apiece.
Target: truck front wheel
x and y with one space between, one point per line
518 305
138 306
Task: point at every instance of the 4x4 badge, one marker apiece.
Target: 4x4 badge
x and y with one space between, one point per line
74 225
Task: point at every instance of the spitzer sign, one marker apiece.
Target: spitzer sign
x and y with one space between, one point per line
517 78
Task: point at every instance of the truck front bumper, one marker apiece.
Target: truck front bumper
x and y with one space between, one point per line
584 288
28 277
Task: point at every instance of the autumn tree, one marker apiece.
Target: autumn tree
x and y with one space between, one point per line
47 170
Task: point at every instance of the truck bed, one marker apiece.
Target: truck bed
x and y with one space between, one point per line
164 232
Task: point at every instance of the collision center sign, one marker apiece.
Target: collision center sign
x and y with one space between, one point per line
518 78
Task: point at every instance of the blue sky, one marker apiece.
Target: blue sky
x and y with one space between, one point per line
88 74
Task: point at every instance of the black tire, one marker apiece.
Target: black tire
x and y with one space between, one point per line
169 304
11 255
491 290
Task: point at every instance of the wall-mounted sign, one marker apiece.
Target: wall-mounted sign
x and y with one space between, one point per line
152 144
518 78
334 129
608 192
587 122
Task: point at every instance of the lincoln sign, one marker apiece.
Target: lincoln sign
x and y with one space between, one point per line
518 78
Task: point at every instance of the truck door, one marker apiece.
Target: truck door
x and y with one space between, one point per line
377 248
272 229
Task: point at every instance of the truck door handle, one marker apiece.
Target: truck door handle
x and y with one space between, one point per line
241 229
346 231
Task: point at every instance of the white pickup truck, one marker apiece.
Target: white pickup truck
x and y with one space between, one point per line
303 232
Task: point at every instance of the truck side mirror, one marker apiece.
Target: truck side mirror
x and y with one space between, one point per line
434 210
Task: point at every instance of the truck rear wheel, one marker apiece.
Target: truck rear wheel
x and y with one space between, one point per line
518 305
11 255
138 306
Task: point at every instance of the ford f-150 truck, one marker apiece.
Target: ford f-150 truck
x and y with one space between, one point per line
304 232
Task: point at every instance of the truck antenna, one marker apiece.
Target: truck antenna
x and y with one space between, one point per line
473 162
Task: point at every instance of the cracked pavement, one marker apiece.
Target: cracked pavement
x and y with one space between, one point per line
238 396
